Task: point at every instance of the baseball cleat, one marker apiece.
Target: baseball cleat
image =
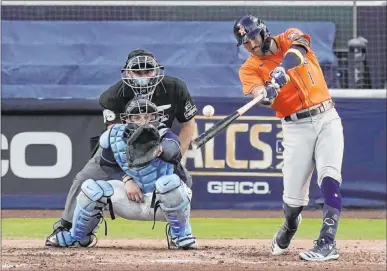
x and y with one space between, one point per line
52 239
283 237
186 243
62 238
322 251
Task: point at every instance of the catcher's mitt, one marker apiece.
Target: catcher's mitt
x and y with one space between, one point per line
143 146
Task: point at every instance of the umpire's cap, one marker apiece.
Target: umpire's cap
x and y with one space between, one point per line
141 52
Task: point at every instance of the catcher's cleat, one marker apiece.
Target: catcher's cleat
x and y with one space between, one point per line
187 242
283 237
322 251
58 227
52 239
61 237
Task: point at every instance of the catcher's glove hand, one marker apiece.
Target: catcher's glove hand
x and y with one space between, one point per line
143 146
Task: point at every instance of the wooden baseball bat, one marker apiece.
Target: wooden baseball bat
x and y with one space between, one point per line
222 124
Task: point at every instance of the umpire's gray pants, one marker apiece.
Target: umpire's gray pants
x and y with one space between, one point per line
92 170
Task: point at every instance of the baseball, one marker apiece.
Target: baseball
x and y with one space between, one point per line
208 110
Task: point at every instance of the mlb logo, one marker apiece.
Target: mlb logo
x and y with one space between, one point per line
278 146
188 106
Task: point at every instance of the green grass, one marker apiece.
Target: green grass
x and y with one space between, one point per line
356 229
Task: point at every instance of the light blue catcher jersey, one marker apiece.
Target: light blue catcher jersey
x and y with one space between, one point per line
146 176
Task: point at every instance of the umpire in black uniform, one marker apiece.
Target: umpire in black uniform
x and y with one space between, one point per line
142 76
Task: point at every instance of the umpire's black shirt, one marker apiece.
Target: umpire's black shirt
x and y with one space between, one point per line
171 93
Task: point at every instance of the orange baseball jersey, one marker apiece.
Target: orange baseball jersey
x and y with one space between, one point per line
307 86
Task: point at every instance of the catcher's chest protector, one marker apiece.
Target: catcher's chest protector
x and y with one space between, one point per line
146 176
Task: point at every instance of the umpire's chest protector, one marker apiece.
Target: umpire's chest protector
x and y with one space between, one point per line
146 176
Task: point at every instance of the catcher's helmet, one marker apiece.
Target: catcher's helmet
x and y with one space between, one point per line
140 111
248 27
142 73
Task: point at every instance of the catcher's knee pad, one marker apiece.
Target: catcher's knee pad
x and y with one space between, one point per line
175 201
88 212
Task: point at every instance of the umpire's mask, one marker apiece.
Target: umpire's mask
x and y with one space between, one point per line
142 73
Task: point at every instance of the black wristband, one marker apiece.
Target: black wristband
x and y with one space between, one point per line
123 179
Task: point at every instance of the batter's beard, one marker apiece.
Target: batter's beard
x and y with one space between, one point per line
262 53
258 52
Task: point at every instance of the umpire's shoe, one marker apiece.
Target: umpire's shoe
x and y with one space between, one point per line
322 251
283 237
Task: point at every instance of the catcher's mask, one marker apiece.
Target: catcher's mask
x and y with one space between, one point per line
140 112
142 73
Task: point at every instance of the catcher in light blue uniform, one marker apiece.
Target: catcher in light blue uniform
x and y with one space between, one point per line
148 184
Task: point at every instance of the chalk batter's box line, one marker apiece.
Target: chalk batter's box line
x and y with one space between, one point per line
236 174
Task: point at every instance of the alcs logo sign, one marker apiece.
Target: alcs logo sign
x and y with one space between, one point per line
17 155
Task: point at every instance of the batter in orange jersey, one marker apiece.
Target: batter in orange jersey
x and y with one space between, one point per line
286 72
307 86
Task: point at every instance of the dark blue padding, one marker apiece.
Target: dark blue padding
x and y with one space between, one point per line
72 59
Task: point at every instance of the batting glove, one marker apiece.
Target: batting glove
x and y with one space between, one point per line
279 76
266 103
270 92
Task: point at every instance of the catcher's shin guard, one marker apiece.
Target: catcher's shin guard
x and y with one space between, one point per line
94 196
174 200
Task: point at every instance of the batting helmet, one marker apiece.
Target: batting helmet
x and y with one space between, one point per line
248 27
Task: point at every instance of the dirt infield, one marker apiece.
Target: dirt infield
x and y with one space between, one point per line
231 254
224 254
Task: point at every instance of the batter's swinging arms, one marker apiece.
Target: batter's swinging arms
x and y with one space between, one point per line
312 129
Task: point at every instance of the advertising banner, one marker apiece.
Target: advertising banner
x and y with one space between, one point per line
239 169
41 154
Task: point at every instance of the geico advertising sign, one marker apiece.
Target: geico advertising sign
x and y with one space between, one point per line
251 146
228 187
17 147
